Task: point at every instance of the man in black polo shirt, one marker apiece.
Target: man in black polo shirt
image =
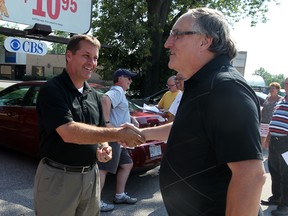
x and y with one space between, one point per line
212 165
73 136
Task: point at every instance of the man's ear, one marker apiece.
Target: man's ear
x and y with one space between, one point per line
206 42
68 55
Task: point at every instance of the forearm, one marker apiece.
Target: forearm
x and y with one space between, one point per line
244 191
157 133
80 133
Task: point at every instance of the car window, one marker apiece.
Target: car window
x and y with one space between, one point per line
13 96
32 96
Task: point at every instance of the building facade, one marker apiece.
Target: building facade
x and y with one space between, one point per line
22 66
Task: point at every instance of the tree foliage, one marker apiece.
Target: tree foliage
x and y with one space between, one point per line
136 32
268 78
57 48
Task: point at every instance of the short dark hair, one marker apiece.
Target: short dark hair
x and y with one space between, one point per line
74 41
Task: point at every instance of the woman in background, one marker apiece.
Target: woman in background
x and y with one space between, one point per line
268 106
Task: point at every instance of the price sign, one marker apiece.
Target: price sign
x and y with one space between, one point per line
65 15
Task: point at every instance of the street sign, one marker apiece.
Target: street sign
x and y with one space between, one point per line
28 46
72 16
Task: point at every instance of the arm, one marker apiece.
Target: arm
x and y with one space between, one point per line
267 141
81 133
106 104
244 191
157 133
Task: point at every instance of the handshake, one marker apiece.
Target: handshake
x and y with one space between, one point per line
127 135
130 135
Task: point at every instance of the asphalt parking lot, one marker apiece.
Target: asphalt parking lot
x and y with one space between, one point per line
16 189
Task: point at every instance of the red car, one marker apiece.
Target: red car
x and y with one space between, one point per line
19 124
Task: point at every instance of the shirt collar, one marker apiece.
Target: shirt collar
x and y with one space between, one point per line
212 66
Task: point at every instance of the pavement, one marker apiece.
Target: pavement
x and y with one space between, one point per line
266 192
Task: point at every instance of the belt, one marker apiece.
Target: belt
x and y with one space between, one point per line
66 168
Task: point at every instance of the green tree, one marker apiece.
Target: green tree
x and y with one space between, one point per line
57 48
268 78
137 30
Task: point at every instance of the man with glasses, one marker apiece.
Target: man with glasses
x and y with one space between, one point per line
169 96
212 164
179 81
116 112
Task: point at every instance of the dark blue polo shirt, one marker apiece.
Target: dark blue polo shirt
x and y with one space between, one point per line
59 102
217 122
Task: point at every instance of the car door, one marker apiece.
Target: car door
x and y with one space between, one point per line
18 119
29 131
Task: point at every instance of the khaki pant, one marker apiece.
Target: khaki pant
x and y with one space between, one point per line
66 193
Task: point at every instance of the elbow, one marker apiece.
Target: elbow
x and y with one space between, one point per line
66 137
64 132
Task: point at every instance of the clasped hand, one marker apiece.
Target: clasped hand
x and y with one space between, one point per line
104 153
131 136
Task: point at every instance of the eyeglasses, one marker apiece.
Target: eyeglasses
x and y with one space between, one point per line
171 85
175 34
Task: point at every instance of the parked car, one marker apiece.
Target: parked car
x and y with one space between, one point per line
150 100
261 97
19 124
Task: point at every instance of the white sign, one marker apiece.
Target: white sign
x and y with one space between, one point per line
72 16
264 129
27 46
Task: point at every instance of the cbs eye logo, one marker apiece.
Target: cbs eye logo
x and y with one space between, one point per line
15 44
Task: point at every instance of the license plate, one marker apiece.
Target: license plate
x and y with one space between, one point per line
155 150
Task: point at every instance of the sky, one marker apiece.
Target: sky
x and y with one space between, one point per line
266 44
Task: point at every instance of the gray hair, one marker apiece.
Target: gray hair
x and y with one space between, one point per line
213 24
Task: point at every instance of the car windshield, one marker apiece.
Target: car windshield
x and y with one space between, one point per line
14 96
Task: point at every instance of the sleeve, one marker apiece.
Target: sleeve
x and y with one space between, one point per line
115 97
161 102
52 108
174 106
234 128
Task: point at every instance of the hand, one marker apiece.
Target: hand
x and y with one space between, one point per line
130 136
104 153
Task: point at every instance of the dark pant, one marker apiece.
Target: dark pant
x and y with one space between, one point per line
278 168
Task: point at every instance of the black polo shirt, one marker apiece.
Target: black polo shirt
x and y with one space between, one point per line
59 102
217 122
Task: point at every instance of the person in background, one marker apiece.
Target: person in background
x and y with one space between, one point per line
212 164
278 168
268 106
116 112
169 96
73 136
179 81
